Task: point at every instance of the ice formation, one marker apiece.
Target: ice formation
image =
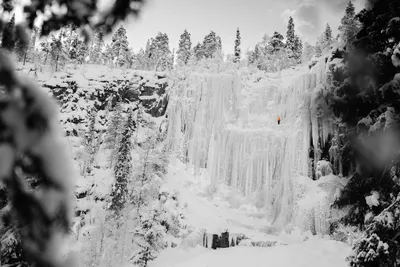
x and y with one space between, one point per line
227 124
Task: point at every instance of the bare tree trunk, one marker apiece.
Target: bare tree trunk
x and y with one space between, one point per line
57 63
25 58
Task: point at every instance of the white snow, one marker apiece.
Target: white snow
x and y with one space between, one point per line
214 214
314 252
372 200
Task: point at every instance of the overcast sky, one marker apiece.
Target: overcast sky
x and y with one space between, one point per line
253 17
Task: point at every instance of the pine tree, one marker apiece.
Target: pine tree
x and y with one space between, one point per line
308 52
83 52
348 27
149 238
107 54
298 49
150 169
21 49
122 168
328 34
290 35
113 131
368 117
211 44
8 38
32 53
90 140
73 44
185 46
198 51
119 47
276 42
293 42
159 52
148 55
237 47
97 47
57 52
380 26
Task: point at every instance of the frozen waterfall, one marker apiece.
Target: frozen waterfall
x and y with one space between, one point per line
227 124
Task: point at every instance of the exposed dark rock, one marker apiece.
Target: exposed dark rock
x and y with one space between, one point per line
215 242
263 243
224 240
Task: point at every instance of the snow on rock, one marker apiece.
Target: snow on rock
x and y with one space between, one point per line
145 86
312 209
396 56
373 199
324 168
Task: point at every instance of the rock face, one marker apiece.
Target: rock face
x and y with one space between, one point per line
99 82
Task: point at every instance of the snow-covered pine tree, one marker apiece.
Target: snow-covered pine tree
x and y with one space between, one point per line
211 44
298 49
132 58
122 168
148 59
20 50
32 53
160 52
276 42
290 35
83 52
97 46
57 52
258 54
171 213
72 46
90 140
348 27
369 115
308 52
328 34
318 48
45 48
107 55
293 42
150 169
149 237
119 47
198 51
237 47
8 38
185 48
112 137
140 60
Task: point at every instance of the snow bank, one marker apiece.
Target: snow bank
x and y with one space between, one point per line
314 252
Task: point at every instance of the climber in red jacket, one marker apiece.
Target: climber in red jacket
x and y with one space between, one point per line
279 120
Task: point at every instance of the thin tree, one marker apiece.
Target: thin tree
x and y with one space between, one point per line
348 27
8 38
185 46
237 47
122 168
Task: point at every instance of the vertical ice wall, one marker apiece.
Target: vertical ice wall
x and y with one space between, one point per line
229 127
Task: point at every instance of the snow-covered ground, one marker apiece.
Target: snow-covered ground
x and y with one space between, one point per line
215 213
314 252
